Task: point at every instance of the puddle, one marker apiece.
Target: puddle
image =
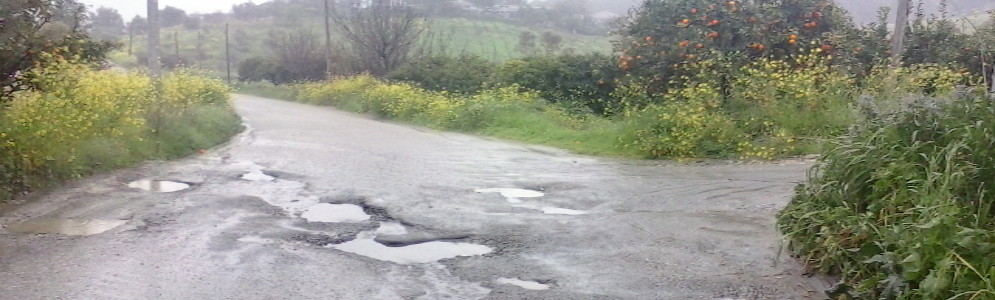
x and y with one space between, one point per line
528 285
562 211
66 226
158 186
335 213
414 254
257 176
513 193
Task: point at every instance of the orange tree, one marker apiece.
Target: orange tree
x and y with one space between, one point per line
662 38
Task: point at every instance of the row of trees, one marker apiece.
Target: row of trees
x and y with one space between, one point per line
379 39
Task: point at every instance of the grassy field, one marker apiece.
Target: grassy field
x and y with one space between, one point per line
204 47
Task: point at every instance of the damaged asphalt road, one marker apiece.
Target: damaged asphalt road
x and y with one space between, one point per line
314 203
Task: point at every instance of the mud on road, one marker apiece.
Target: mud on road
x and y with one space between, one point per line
314 203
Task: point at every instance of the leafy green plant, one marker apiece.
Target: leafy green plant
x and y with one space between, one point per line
901 206
463 74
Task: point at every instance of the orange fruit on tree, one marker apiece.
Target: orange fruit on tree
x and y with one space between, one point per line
699 46
713 34
694 11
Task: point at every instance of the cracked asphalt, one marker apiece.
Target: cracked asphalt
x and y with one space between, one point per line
575 227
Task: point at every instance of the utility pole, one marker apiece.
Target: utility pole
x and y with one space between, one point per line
155 69
898 37
176 43
328 42
227 55
131 36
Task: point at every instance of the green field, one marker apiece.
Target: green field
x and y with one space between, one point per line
204 47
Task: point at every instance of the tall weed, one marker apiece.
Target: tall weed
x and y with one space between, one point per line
901 206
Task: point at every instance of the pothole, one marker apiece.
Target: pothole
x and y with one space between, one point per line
408 239
158 186
512 193
525 284
414 254
335 213
66 226
562 211
258 176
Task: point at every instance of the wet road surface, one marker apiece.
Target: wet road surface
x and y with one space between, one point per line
314 203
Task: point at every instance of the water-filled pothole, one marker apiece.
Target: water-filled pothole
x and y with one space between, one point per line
528 285
562 211
66 226
513 193
257 176
413 254
335 213
158 186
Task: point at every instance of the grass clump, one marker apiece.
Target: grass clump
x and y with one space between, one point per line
79 121
901 206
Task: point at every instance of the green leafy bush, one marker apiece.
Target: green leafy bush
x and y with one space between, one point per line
463 74
901 207
578 81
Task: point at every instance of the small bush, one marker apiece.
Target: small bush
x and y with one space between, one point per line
464 74
579 81
689 124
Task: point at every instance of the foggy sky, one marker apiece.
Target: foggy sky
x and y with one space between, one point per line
130 8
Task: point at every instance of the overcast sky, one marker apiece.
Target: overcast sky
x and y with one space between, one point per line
130 8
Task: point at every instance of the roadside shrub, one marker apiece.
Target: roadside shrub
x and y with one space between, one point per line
464 74
901 207
579 81
689 124
777 101
79 121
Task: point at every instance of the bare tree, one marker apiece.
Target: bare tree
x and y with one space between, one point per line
299 56
382 34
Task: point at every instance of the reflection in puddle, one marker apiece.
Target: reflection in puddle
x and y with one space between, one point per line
528 285
66 226
414 254
513 193
562 211
257 176
335 213
158 186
